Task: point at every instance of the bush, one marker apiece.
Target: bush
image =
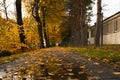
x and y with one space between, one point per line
4 53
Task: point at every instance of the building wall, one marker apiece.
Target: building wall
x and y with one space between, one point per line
109 25
108 39
113 38
91 40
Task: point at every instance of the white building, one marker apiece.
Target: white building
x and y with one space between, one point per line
111 30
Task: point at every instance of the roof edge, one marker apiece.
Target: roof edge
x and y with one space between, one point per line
111 16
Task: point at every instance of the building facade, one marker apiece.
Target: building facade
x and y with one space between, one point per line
111 30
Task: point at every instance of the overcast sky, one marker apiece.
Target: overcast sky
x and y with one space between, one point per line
110 7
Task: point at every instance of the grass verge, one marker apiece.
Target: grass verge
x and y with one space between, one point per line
99 54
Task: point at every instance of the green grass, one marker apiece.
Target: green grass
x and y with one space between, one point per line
99 54
102 54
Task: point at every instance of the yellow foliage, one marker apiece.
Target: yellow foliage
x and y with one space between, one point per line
31 31
9 37
54 13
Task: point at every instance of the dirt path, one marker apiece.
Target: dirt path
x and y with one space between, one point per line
57 64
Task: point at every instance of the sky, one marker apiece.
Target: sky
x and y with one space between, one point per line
11 9
110 7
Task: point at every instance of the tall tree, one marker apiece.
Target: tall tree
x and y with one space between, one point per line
19 21
77 18
46 38
98 24
36 15
101 30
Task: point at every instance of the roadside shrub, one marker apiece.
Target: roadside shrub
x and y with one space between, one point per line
4 53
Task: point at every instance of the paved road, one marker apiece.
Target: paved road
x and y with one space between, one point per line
57 64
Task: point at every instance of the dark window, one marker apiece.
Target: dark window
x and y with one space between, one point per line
115 26
92 32
106 30
88 35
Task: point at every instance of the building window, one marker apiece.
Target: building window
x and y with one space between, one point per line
105 28
115 26
93 32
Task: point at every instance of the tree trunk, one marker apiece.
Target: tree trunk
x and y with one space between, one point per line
84 41
83 24
98 24
40 35
44 26
19 12
19 21
35 14
101 29
75 23
46 39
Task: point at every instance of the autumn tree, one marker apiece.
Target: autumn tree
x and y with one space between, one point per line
34 10
51 14
43 12
9 37
54 17
36 15
31 31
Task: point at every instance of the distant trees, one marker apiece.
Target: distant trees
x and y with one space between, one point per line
77 21
49 14
55 14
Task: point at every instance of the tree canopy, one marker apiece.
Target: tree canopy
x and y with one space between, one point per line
53 21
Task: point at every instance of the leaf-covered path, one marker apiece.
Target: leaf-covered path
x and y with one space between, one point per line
57 64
